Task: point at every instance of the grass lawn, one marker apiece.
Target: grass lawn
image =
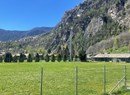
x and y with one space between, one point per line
59 78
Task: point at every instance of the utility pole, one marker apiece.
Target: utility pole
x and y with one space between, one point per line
71 43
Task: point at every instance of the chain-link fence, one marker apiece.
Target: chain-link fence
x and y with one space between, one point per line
89 81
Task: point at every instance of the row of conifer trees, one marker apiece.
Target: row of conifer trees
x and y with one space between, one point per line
30 58
8 58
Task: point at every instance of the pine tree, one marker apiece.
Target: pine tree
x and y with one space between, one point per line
49 51
29 58
21 57
59 58
1 59
47 59
15 58
8 57
53 58
82 55
65 58
37 58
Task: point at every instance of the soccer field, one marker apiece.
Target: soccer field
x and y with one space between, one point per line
59 78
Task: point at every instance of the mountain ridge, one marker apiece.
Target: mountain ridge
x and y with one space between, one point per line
12 35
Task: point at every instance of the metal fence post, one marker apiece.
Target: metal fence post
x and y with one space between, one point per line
104 79
125 75
76 80
41 80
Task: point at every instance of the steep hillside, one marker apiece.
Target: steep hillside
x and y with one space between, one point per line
95 25
91 22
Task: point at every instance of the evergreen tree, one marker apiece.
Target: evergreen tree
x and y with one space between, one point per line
15 58
59 57
8 57
37 58
65 58
42 57
1 59
21 57
76 57
129 47
29 58
82 55
47 59
53 58
49 51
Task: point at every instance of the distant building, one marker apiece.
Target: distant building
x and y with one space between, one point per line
112 57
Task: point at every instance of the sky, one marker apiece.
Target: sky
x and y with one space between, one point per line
27 14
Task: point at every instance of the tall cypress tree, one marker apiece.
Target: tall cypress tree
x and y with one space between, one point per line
37 58
21 57
1 59
15 58
47 59
82 55
53 58
65 58
59 57
8 57
29 58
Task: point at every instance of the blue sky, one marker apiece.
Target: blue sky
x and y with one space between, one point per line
27 14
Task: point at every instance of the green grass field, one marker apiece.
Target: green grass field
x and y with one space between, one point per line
59 78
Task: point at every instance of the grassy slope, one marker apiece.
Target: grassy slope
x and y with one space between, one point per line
59 78
122 50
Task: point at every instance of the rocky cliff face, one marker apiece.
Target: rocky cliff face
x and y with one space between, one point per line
90 23
93 25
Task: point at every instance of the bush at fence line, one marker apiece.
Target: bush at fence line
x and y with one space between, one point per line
121 91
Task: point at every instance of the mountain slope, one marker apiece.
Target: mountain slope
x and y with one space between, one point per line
95 25
6 35
92 22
